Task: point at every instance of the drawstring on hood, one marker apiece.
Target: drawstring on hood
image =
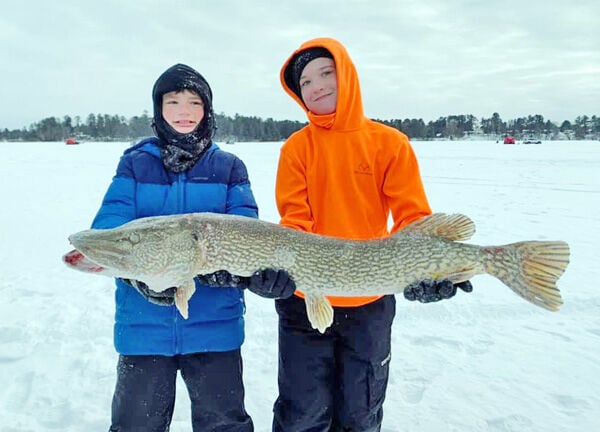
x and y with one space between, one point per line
181 151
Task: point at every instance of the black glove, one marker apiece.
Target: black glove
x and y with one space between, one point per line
268 283
429 290
163 298
272 284
223 278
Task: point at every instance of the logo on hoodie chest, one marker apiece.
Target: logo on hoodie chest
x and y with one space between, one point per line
363 168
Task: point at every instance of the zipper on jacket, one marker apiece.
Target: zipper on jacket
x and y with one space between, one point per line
181 181
178 321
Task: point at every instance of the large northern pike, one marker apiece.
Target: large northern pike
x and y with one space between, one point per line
168 251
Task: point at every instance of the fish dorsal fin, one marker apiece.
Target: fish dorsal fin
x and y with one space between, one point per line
454 227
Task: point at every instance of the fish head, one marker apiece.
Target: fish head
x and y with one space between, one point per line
161 252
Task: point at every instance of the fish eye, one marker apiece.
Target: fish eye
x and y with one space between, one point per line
134 237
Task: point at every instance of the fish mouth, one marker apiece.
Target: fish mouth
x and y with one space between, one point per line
104 252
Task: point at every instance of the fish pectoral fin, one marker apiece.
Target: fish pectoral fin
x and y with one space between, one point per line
182 296
319 311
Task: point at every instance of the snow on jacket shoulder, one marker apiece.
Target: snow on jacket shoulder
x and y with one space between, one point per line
142 187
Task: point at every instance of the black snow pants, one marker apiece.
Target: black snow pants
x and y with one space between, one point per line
144 396
335 381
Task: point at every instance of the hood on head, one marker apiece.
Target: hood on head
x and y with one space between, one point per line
293 71
349 111
178 78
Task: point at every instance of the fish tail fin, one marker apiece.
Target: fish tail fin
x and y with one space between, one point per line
530 269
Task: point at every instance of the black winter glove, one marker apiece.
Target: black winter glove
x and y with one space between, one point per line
268 283
429 290
272 284
223 278
163 298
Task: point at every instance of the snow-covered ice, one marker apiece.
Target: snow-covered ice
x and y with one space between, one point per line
486 361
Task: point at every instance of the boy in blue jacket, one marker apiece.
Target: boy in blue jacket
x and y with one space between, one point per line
181 170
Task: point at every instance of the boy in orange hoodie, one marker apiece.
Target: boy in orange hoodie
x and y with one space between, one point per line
342 175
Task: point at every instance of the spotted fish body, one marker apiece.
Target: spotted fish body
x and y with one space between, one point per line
166 251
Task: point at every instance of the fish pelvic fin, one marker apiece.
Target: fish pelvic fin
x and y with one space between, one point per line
319 311
182 296
453 227
531 269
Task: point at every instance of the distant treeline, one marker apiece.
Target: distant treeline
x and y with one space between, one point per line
105 127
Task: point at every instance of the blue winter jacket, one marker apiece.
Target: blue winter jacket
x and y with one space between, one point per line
142 187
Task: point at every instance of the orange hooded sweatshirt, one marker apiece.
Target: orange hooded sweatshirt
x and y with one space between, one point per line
343 174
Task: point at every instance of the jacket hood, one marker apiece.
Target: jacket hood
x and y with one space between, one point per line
349 112
181 151
178 78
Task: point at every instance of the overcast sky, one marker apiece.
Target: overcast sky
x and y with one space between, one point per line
415 58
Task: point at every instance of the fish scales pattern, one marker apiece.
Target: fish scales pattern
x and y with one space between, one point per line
168 251
320 263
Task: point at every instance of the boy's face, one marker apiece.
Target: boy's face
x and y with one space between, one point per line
183 110
318 86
